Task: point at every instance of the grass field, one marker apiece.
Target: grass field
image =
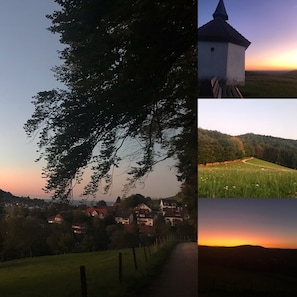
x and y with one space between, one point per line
59 276
270 84
253 179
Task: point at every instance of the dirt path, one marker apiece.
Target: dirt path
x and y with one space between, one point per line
244 160
179 277
265 167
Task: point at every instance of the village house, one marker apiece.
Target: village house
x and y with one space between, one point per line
58 219
168 203
100 212
79 229
173 211
144 215
124 216
172 216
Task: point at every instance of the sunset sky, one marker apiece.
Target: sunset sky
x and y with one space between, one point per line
273 117
28 52
271 223
270 26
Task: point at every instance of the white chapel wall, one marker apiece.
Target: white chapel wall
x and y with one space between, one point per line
212 60
235 65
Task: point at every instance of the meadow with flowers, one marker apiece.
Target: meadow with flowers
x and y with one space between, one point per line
251 178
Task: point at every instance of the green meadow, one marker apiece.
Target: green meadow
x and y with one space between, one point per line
270 84
59 276
253 178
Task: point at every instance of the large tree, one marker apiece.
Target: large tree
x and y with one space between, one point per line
130 73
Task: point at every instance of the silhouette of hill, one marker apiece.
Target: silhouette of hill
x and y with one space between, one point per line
247 246
251 258
7 197
291 74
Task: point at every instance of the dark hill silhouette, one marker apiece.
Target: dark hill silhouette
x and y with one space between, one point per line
251 258
247 246
7 197
291 74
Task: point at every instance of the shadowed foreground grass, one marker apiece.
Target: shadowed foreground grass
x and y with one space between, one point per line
247 271
269 86
59 276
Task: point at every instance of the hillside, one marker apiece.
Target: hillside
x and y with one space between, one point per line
214 146
249 178
7 197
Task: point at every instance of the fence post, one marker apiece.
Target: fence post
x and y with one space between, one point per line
120 268
149 250
145 254
83 281
134 257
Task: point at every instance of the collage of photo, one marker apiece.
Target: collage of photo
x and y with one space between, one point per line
247 148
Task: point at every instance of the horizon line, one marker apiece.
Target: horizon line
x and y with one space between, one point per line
246 245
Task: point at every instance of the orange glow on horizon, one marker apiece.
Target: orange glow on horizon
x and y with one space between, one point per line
212 237
286 60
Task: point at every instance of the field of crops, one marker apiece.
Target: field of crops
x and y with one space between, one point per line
253 178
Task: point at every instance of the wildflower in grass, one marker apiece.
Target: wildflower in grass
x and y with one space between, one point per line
226 188
257 185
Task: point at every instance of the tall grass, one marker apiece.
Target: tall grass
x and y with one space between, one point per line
253 179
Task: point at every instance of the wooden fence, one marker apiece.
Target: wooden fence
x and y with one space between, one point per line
147 251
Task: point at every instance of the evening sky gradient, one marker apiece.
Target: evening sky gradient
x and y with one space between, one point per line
28 52
273 117
270 223
270 26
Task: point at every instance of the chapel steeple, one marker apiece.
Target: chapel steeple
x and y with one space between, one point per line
221 50
220 11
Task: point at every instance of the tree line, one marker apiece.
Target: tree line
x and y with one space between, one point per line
214 146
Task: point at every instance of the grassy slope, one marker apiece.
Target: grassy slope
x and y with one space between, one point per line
253 179
261 85
59 276
267 165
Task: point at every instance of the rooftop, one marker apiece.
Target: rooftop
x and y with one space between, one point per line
219 30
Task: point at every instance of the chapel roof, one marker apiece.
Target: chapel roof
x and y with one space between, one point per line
219 30
221 11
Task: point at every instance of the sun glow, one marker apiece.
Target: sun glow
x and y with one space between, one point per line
286 60
225 240
229 240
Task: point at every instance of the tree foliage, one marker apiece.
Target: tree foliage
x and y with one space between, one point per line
130 72
214 146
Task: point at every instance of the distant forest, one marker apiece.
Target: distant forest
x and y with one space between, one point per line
214 146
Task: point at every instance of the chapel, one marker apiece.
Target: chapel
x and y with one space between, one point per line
221 50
